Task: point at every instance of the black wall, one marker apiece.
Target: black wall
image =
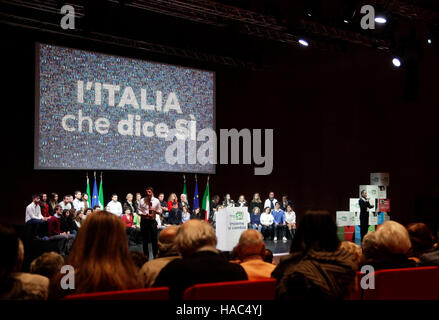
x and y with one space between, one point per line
337 116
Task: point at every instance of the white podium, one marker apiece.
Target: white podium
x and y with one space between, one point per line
230 223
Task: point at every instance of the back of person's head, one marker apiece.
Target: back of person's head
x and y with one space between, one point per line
250 244
194 235
268 256
9 242
139 258
100 255
316 231
421 238
166 243
48 264
392 238
354 249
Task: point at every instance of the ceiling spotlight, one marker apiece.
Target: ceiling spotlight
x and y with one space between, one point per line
429 41
309 14
396 62
303 42
345 21
380 20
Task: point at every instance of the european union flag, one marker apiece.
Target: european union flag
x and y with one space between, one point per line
95 198
196 198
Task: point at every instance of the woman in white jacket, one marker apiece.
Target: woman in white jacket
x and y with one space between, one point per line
267 220
290 219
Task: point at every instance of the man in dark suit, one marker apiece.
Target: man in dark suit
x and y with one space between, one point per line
201 262
364 213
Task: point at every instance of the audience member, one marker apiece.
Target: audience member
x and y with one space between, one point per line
183 202
290 219
139 259
48 264
268 256
256 202
430 258
16 285
101 263
129 203
251 251
67 224
255 219
285 202
65 203
44 205
53 201
271 201
317 268
85 199
114 206
33 214
54 229
167 252
201 263
175 215
279 222
241 202
421 239
185 215
78 203
388 247
228 202
267 221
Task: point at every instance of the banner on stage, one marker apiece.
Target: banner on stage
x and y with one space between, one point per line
230 223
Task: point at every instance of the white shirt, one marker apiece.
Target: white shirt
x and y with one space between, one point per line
290 217
78 204
143 209
114 207
33 212
64 206
267 219
267 203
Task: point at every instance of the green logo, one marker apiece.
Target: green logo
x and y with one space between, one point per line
239 215
344 218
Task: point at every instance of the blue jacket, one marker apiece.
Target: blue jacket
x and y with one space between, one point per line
255 218
279 216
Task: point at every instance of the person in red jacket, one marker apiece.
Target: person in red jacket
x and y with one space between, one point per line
44 205
55 225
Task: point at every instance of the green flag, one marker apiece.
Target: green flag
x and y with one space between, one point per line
88 193
101 194
206 201
184 185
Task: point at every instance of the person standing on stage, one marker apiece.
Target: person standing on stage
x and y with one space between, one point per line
148 208
271 201
364 213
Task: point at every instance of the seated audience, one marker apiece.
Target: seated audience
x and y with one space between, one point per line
53 201
430 258
66 204
271 201
172 199
114 206
285 203
185 215
268 256
255 219
183 202
33 214
55 231
317 268
201 263
44 205
167 252
48 264
16 285
279 222
241 202
67 223
256 202
139 258
132 229
267 221
421 239
175 215
387 247
101 263
130 203
290 219
251 251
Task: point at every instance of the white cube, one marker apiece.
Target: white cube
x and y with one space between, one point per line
343 218
373 218
379 178
372 191
354 206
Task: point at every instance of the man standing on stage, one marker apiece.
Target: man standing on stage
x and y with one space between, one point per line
364 213
148 208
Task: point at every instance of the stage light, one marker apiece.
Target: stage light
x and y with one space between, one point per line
345 21
303 42
396 62
429 41
380 20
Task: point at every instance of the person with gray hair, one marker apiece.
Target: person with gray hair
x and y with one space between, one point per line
387 247
201 262
167 252
251 251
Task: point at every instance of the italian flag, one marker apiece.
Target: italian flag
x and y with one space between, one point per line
206 201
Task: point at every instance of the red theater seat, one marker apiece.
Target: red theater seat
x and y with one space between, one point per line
235 290
405 284
137 294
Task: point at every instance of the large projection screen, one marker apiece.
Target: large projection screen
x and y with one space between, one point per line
104 112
